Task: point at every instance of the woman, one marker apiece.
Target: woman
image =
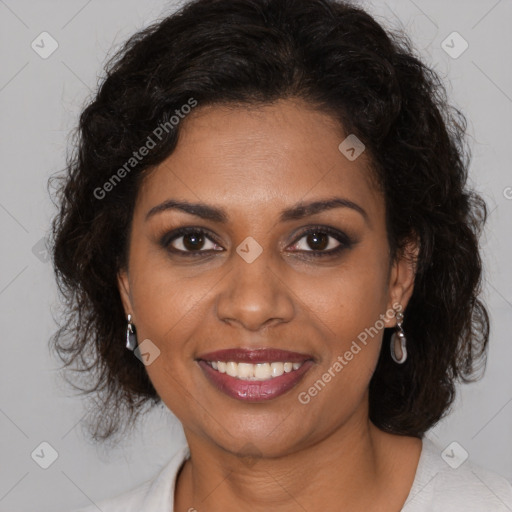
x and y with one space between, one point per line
266 227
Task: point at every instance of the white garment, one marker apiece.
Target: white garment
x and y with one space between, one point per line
436 488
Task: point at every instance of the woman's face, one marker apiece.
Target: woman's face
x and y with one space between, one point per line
257 280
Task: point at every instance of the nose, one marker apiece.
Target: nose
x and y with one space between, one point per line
254 295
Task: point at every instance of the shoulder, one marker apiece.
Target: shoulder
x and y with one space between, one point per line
129 501
154 495
445 481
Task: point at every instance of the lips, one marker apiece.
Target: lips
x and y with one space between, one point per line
262 385
264 355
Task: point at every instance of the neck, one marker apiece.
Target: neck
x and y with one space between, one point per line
352 466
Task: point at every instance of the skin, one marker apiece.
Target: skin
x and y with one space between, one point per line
277 455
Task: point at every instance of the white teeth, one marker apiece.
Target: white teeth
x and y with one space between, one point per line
232 369
245 370
258 371
277 369
262 371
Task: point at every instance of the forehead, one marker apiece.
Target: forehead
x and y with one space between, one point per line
252 158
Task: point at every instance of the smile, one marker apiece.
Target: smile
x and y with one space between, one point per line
259 371
254 375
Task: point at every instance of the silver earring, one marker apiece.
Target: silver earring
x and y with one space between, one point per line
131 336
398 343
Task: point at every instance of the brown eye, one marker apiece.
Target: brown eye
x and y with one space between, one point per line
193 241
189 240
317 241
322 241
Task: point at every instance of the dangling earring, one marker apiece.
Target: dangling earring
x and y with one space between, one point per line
398 341
131 336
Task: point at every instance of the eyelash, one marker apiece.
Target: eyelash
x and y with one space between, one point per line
344 241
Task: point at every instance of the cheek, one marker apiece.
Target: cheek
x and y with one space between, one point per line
169 307
347 306
169 311
349 298
348 312
164 296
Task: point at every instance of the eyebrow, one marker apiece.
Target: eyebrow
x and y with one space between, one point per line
296 212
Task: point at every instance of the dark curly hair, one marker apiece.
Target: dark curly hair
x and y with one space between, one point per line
337 59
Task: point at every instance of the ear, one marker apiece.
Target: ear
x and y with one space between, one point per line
123 285
401 278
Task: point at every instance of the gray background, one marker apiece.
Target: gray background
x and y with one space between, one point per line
40 100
